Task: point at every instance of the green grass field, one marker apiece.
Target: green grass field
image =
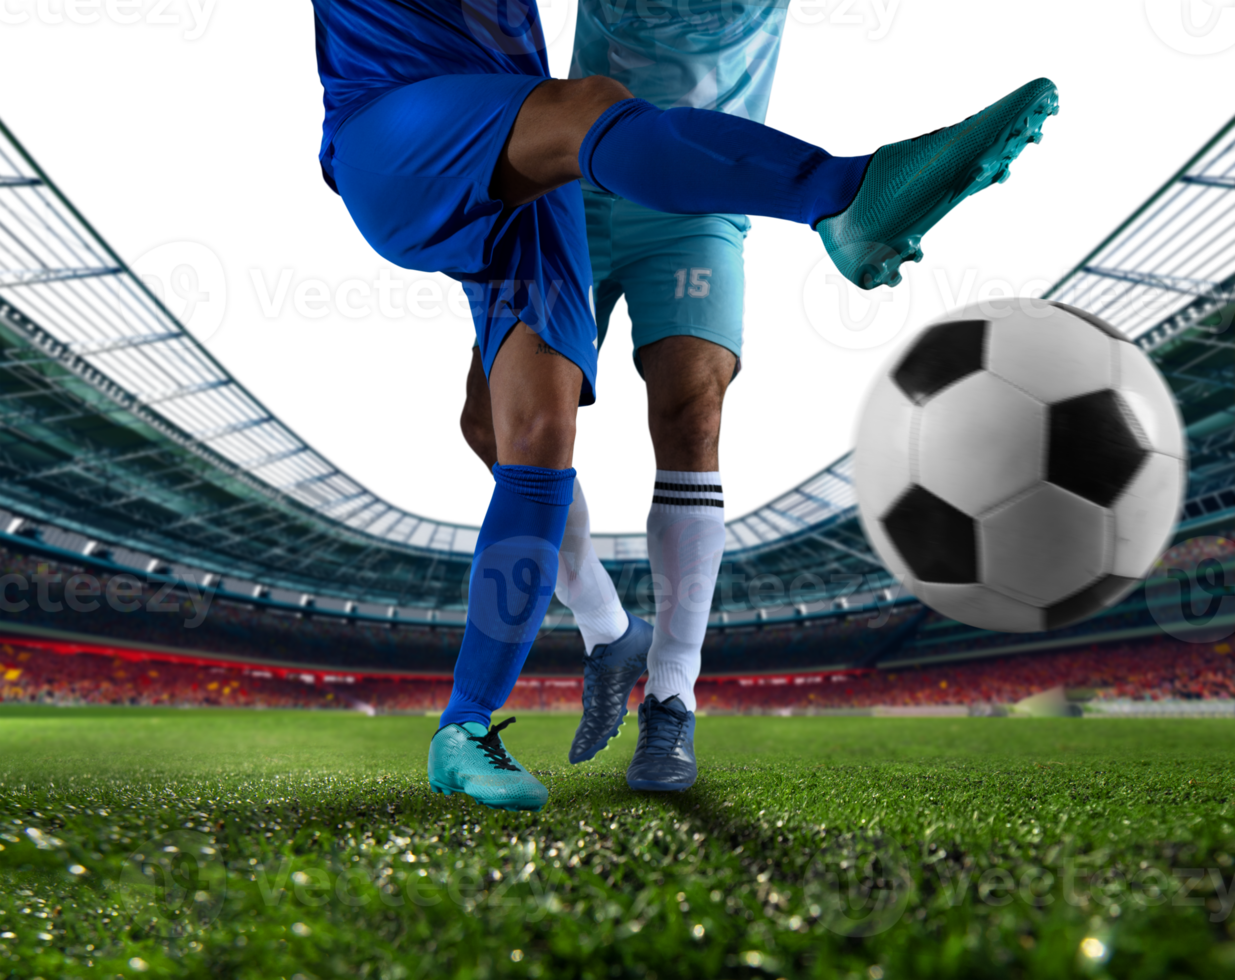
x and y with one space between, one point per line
278 844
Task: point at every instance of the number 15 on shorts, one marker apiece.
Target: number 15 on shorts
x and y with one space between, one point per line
693 283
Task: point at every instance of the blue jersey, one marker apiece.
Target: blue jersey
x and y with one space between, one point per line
706 54
366 48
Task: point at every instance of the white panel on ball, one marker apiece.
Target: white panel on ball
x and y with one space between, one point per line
980 442
1051 354
1044 546
1145 514
976 605
1148 395
881 460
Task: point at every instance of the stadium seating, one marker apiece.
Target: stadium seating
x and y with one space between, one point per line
1153 669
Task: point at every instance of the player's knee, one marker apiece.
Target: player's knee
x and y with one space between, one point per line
597 93
477 428
542 438
687 422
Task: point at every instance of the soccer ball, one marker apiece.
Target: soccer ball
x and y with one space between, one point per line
1020 465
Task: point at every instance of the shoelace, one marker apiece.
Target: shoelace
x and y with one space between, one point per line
493 748
664 729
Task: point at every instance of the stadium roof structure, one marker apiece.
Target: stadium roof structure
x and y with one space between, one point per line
118 426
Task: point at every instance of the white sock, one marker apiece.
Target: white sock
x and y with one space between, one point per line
686 537
583 585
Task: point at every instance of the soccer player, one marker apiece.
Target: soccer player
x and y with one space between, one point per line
454 151
683 280
684 285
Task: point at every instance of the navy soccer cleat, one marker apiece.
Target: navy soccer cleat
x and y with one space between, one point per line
665 755
609 675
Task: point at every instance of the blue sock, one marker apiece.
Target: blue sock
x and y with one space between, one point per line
513 575
696 161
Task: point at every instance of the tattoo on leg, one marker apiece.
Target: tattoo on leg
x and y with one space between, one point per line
543 348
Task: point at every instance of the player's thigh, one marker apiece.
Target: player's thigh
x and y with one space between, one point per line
414 168
684 277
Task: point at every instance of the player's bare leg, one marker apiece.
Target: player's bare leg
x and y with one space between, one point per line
534 393
476 420
686 381
542 151
615 643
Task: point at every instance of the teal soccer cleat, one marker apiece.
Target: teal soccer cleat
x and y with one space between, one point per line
909 186
472 760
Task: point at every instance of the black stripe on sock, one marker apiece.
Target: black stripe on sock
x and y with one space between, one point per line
690 487
688 501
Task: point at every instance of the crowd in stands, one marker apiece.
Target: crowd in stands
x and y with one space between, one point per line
1153 668
150 614
299 658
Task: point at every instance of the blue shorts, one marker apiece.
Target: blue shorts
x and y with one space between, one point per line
414 169
682 273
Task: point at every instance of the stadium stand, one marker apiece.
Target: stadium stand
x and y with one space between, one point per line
1152 669
227 551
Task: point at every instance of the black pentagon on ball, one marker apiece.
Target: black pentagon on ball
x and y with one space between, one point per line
944 353
938 542
1093 448
1091 599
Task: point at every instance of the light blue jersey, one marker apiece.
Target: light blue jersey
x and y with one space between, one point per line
706 54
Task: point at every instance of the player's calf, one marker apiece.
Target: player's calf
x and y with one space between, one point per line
476 420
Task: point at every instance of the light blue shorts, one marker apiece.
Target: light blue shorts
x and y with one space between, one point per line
682 273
